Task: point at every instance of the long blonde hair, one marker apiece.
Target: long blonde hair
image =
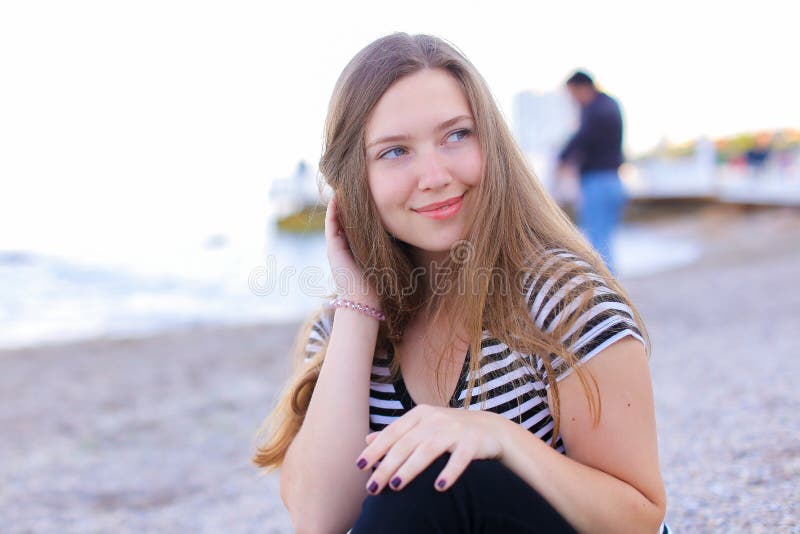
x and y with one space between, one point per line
519 224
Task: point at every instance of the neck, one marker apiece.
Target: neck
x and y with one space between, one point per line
430 263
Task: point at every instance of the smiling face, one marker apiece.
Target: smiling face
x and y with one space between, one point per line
421 152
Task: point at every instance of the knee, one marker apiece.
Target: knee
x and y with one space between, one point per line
406 510
499 498
487 473
486 492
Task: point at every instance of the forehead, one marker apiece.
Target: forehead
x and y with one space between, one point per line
416 102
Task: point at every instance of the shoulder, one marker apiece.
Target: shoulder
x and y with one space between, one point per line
580 307
606 104
323 321
319 330
560 277
553 274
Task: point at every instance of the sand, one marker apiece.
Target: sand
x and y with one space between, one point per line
156 434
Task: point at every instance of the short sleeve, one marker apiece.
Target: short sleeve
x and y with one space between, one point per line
606 318
319 333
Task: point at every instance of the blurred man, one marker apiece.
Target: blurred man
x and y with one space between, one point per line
596 150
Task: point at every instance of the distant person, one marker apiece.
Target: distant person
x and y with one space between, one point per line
758 155
596 150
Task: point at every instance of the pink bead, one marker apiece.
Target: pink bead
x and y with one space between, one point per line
363 308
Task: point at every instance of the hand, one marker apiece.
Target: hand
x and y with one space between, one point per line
346 273
419 437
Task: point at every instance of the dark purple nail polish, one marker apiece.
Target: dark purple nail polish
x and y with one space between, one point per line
362 462
373 487
396 482
441 483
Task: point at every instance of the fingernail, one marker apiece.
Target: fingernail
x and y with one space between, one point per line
373 487
396 482
362 462
441 483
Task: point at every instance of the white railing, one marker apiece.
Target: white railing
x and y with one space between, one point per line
777 182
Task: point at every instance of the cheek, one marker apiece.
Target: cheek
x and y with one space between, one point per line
390 194
390 191
470 166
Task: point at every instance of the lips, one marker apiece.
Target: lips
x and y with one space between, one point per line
437 205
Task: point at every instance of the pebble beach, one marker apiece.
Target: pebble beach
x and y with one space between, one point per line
155 434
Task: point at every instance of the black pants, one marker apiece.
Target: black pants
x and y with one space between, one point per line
487 498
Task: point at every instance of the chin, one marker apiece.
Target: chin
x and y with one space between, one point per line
439 244
442 249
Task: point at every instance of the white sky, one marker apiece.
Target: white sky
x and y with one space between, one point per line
128 110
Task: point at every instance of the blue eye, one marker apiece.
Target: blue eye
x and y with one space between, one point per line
394 150
464 132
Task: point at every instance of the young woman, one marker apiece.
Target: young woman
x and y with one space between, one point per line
481 370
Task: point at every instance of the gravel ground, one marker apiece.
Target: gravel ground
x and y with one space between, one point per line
155 434
725 338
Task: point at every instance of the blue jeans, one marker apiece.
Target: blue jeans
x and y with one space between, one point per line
602 205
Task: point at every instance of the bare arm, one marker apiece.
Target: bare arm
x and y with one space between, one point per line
610 479
320 484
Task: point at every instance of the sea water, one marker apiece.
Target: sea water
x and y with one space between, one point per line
248 274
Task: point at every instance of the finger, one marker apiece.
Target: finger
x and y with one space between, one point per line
330 220
460 458
423 456
371 437
334 235
388 437
391 462
338 218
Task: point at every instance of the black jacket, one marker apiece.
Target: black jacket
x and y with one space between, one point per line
597 145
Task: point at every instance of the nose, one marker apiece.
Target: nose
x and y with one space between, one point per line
433 173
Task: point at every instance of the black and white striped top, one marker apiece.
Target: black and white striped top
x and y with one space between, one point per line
607 320
516 391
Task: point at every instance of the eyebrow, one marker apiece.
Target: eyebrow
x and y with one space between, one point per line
393 138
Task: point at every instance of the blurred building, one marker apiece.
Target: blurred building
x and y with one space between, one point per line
542 123
296 192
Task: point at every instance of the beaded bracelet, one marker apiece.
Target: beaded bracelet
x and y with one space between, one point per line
339 302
